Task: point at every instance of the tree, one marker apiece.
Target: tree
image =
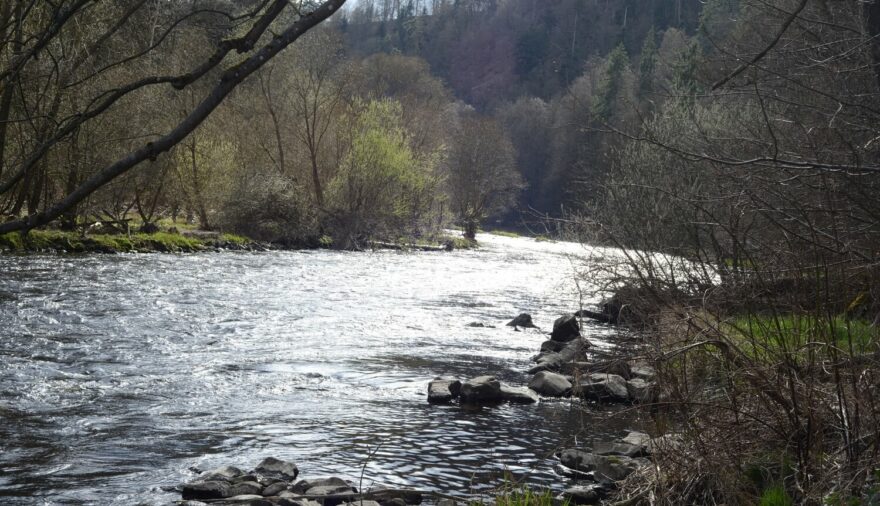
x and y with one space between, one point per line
383 186
105 68
482 175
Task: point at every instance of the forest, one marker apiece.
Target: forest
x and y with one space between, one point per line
729 148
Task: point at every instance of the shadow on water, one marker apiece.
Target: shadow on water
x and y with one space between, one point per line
119 374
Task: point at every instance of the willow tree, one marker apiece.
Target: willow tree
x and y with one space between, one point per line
67 65
482 175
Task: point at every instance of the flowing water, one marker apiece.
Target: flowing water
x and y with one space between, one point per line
119 374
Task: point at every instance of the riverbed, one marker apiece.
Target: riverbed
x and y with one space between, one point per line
121 375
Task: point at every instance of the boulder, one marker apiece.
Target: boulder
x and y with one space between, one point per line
604 468
519 395
303 485
603 387
275 488
205 490
481 389
554 361
246 488
523 320
601 317
394 497
277 469
551 346
550 384
627 450
225 473
642 371
590 494
641 391
636 438
340 493
288 498
443 391
565 328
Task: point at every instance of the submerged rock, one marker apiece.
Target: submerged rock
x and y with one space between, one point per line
443 391
565 328
481 389
550 384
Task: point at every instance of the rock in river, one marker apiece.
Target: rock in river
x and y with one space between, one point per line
481 389
565 328
443 391
550 384
523 320
519 395
277 469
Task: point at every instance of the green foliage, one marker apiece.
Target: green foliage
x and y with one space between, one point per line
766 336
776 496
512 495
383 186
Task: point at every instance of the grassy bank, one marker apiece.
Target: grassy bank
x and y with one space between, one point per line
71 242
771 407
189 241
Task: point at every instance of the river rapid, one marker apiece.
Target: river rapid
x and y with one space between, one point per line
120 374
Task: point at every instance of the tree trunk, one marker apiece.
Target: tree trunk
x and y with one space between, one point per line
470 230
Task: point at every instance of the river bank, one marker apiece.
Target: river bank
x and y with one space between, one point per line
188 241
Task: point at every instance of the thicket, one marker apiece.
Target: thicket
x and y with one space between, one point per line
745 196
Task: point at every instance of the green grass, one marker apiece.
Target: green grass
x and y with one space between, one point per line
523 496
766 336
56 240
234 239
775 496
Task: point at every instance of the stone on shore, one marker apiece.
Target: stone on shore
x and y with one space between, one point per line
590 494
603 388
604 468
249 499
519 395
565 328
624 449
277 469
481 389
550 384
642 371
641 391
443 391
523 320
639 439
391 497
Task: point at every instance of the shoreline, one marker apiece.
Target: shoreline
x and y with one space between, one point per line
197 241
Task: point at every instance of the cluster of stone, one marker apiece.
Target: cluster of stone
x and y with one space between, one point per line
274 483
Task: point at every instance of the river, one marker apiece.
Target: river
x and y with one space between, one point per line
119 374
